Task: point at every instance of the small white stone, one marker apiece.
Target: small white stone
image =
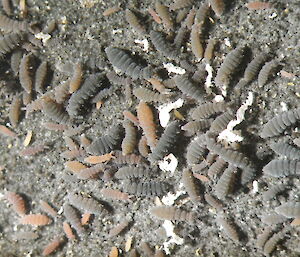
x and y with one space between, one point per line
169 163
227 42
171 68
174 239
144 43
164 111
42 36
170 198
255 187
209 70
273 15
219 98
117 31
284 107
228 134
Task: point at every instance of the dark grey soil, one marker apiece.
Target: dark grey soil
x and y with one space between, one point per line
82 35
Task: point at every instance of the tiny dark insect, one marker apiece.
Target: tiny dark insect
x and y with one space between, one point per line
134 22
282 168
114 78
165 143
89 88
25 74
179 4
188 88
218 6
128 172
265 72
225 183
8 25
199 73
146 95
180 36
55 111
273 219
164 14
146 119
15 111
17 201
229 229
272 242
103 94
194 127
88 204
252 69
221 122
118 229
263 237
7 7
90 173
143 147
114 194
212 201
172 213
76 79
149 188
217 167
273 191
231 156
126 63
196 40
129 141
202 13
230 64
286 150
73 217
280 122
33 150
160 43
131 159
52 246
189 183
106 143
208 109
9 42
289 209
61 92
185 64
196 151
40 77
15 60
35 220
46 207
50 26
